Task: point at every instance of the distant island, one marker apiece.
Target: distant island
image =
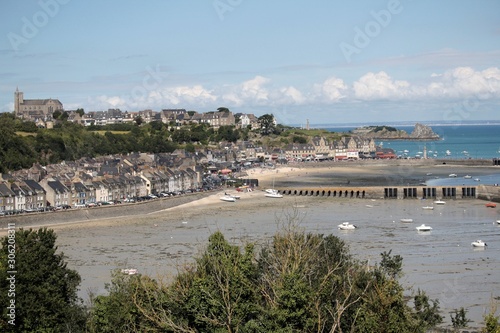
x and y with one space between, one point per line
420 132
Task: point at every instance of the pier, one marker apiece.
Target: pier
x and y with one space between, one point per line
491 193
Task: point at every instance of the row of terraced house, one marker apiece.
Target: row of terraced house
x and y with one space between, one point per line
90 181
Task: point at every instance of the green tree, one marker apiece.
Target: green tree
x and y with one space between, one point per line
266 123
45 289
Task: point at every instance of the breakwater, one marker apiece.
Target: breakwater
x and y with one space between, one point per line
491 193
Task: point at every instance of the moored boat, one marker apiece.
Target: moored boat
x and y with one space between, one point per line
406 220
428 207
424 227
479 243
439 202
129 271
227 198
346 226
491 205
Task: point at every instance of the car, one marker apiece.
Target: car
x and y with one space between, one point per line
129 200
152 196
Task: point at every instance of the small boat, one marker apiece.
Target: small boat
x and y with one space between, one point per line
228 198
347 226
467 177
491 205
452 175
406 220
129 271
274 195
498 222
428 207
477 179
429 173
423 227
439 202
448 153
479 243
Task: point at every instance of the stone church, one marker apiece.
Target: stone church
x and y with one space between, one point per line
35 109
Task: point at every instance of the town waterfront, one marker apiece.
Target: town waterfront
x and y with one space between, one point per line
462 141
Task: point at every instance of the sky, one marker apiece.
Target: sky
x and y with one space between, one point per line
323 61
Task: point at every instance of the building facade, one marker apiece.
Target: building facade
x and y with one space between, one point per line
35 109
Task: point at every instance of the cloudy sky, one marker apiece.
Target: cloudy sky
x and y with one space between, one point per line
327 61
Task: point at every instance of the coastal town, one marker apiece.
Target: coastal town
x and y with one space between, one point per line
113 179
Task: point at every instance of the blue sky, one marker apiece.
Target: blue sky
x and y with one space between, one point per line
327 61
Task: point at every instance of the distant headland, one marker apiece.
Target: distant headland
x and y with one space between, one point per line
420 132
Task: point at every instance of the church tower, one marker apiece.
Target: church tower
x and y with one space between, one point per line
18 101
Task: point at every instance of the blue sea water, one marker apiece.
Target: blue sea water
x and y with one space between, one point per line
462 142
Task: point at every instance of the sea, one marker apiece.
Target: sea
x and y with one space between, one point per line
461 141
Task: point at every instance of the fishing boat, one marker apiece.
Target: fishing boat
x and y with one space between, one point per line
424 227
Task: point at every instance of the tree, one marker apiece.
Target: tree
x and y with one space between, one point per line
45 290
266 123
80 111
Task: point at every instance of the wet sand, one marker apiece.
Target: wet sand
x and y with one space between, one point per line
442 262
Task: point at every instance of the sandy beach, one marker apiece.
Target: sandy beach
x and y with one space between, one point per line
343 174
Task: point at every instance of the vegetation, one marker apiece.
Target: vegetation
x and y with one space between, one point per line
299 282
38 283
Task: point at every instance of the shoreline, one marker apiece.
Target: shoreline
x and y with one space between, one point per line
343 174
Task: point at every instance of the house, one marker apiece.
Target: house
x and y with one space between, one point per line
299 151
38 197
57 193
7 202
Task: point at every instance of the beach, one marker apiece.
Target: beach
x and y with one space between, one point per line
158 238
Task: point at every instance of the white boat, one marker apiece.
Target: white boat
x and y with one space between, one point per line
453 175
274 194
448 153
428 207
478 243
439 202
406 220
424 227
477 179
129 271
227 198
467 177
346 226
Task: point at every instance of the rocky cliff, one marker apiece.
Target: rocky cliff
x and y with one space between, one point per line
420 132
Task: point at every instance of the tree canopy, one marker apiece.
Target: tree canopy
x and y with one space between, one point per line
35 276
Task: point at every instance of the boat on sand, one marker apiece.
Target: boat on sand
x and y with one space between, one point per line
424 227
346 226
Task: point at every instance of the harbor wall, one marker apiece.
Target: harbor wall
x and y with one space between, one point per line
390 192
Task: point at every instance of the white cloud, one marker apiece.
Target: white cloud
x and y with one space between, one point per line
331 90
259 91
373 86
